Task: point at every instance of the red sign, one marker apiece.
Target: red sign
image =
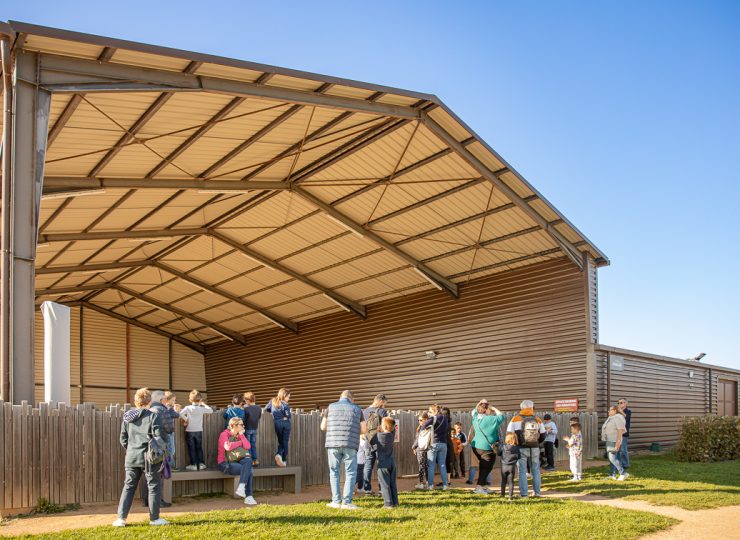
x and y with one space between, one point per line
566 405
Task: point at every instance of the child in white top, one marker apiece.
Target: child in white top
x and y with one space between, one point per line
192 415
575 450
361 454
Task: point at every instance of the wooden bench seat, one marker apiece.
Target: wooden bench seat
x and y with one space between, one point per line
291 478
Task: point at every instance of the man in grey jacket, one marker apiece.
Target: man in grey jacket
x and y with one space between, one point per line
168 426
343 424
139 426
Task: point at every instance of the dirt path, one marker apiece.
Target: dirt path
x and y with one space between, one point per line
716 523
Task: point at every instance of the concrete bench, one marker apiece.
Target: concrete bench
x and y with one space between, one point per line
291 478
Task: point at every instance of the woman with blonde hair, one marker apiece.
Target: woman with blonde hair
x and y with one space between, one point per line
280 410
235 458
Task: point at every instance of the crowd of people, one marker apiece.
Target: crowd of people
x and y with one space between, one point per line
358 441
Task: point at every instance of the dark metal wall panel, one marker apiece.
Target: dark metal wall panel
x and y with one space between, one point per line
508 337
660 392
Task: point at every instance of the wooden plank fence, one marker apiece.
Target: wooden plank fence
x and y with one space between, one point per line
72 455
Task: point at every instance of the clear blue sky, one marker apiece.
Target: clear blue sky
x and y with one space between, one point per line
626 115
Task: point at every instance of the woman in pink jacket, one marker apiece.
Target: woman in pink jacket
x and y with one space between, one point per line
235 458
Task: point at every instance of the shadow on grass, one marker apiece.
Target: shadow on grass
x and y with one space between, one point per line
298 520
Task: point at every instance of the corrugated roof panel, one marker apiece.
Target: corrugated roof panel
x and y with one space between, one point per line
450 125
62 47
295 83
514 183
58 104
349 91
155 61
228 72
395 99
488 159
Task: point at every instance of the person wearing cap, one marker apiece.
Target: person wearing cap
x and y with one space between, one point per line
551 435
372 417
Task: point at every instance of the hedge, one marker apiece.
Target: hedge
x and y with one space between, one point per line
709 438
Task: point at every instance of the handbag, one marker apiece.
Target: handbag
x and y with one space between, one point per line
238 453
424 440
156 448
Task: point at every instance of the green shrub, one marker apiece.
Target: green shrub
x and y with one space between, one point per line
709 438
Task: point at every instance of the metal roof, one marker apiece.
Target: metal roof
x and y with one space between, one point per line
210 198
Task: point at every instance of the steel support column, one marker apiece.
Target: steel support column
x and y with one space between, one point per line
24 151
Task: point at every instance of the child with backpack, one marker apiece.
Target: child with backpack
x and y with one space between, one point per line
509 452
192 415
235 410
575 451
420 447
384 441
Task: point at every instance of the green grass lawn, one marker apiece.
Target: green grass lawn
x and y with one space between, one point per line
454 514
661 480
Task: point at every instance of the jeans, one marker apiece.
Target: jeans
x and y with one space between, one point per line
437 455
473 470
507 479
348 458
371 456
387 481
576 465
131 480
172 449
251 435
282 430
624 453
550 454
533 455
242 469
486 461
195 446
615 465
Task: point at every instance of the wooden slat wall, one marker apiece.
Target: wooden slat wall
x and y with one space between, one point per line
660 393
508 337
105 343
72 454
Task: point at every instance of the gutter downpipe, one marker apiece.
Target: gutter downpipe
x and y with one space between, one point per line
6 240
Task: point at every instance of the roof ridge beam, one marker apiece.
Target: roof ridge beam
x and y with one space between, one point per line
563 243
343 302
229 334
61 74
427 273
61 184
276 319
120 235
133 322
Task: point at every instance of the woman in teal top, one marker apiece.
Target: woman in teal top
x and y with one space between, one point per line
486 421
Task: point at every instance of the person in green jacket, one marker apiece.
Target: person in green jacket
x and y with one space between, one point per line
487 421
138 427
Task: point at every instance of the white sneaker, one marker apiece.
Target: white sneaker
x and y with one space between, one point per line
334 505
420 486
529 476
240 491
202 466
119 522
159 521
191 468
279 460
250 501
612 477
574 479
350 506
623 477
445 487
480 490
